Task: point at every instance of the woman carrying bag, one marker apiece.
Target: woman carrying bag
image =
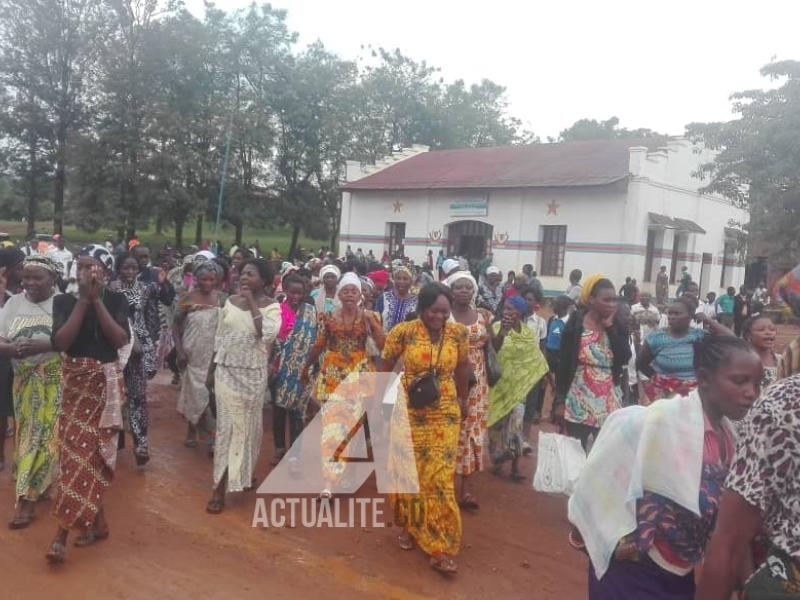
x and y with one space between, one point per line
435 353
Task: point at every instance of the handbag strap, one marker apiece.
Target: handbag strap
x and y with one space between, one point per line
439 355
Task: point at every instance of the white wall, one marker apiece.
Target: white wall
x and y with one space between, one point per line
606 227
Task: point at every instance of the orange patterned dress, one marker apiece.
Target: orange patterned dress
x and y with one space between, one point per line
345 351
431 517
473 426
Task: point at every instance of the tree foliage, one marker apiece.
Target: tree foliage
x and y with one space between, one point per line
591 129
120 112
758 164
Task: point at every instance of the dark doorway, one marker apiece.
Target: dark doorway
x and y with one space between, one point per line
469 239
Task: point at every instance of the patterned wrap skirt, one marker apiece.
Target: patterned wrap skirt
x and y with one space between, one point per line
88 431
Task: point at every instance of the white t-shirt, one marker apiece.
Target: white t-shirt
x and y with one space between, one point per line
649 318
538 325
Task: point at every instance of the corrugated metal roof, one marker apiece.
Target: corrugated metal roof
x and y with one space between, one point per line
590 163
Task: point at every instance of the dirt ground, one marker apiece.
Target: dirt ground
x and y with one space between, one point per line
164 545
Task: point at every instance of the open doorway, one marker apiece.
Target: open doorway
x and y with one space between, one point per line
469 239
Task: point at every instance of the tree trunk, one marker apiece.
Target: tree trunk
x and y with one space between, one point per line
61 179
179 221
239 232
32 199
295 237
159 224
198 233
121 233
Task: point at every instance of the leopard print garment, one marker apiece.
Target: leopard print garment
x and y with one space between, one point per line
766 468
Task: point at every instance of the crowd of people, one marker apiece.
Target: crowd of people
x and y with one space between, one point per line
685 406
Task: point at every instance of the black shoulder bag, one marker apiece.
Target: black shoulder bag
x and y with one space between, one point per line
424 391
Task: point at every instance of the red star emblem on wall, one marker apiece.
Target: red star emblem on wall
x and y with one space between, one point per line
397 205
552 208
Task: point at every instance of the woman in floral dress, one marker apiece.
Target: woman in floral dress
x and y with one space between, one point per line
594 352
473 424
432 342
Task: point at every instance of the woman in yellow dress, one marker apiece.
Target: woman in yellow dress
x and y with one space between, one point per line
429 342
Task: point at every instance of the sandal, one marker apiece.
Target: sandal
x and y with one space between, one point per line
444 564
56 554
406 541
517 477
142 457
20 521
469 502
90 537
215 506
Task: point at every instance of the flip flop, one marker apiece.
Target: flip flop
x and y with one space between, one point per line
517 478
406 541
90 537
215 506
20 522
190 443
444 564
56 554
469 502
142 457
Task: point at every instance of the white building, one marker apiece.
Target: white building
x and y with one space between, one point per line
621 207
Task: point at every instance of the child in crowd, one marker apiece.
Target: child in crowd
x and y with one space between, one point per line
761 332
725 306
555 327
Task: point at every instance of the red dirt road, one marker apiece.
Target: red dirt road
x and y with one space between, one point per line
164 545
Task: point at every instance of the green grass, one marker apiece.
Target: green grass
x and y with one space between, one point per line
267 238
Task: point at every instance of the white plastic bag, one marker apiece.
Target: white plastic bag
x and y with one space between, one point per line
559 463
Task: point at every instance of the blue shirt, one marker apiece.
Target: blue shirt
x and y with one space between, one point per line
674 356
554 330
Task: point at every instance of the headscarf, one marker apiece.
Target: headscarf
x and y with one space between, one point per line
207 266
100 254
402 269
349 278
458 275
588 286
493 270
519 304
11 257
380 278
789 289
330 269
450 265
206 254
44 262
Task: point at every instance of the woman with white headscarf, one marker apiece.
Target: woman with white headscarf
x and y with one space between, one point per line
325 296
195 325
342 335
472 437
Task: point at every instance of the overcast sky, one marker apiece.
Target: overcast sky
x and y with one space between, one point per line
655 64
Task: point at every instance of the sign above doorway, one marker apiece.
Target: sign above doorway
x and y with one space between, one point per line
470 207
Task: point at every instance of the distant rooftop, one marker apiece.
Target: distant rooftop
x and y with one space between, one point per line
590 163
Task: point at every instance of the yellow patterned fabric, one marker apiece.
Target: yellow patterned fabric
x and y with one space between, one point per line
431 517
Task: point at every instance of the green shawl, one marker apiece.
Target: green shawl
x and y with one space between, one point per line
523 366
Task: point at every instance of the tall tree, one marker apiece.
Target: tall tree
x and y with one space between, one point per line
758 165
48 51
